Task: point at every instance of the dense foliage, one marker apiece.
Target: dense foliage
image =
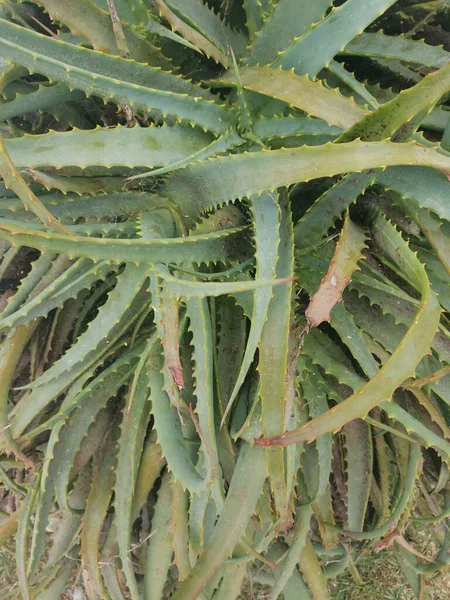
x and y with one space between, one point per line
223 222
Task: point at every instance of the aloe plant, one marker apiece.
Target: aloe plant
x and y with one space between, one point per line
225 274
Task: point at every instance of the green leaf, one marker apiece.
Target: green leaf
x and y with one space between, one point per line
299 537
113 78
425 186
243 493
81 275
146 147
26 511
97 505
93 24
44 98
314 51
169 430
216 246
290 20
113 319
388 118
198 313
274 348
14 181
128 460
299 91
402 363
266 219
199 42
160 550
210 25
313 226
255 11
358 443
216 181
399 48
10 352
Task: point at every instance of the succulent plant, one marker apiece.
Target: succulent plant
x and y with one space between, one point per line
225 292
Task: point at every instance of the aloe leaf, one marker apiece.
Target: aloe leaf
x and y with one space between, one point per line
197 511
299 91
128 285
109 206
57 584
81 275
314 51
160 550
146 147
402 363
290 20
255 11
44 503
10 353
222 144
93 24
22 537
198 41
199 289
165 307
427 187
10 72
412 471
416 427
199 317
83 431
180 530
315 223
232 582
313 574
438 278
135 13
38 269
63 541
114 318
343 322
155 27
241 175
95 513
282 127
388 118
348 79
357 442
345 261
138 85
432 229
127 463
244 491
44 98
400 311
215 246
14 181
399 48
300 533
313 387
170 435
202 18
266 218
150 466
231 329
273 365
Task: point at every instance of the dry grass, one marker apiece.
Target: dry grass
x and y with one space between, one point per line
8 578
382 578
